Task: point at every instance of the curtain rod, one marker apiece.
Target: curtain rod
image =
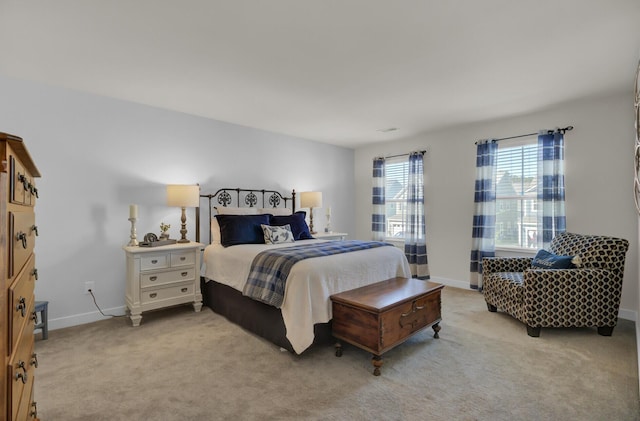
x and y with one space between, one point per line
562 130
402 154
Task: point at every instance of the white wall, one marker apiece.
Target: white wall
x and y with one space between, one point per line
97 155
599 182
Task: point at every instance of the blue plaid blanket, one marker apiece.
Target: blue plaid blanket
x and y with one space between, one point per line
270 269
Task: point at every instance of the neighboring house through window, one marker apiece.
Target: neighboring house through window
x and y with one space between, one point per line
517 194
397 175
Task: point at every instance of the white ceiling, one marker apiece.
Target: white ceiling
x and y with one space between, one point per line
337 71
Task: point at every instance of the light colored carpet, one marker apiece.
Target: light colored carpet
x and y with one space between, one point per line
181 365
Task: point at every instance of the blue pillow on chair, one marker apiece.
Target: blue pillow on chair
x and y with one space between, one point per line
546 260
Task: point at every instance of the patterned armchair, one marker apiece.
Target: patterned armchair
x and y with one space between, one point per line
580 297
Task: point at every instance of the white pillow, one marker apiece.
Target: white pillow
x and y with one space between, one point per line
226 210
276 211
277 234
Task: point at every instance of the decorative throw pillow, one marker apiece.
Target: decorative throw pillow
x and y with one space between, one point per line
241 229
547 260
298 224
277 235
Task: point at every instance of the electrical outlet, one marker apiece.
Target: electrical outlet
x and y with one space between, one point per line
89 285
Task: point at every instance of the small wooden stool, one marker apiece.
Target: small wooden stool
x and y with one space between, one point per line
42 307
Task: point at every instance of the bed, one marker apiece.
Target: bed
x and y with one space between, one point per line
304 314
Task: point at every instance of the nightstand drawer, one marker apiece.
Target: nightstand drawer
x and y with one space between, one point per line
163 294
182 259
157 261
168 277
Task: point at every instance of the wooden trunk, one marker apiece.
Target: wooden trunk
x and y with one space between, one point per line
380 316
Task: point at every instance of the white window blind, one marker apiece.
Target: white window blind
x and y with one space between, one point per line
397 173
517 195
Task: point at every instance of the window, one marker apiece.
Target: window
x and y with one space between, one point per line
397 174
517 195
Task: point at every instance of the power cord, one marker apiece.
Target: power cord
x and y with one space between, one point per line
99 309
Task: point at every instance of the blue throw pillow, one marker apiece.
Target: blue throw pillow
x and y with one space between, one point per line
241 229
546 260
298 224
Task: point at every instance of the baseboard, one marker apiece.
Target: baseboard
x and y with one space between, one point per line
84 318
451 282
628 315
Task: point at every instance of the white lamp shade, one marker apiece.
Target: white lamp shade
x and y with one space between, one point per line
311 199
180 195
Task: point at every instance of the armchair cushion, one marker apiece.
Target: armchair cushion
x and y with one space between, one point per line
546 260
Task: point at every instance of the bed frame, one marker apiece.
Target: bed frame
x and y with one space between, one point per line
257 317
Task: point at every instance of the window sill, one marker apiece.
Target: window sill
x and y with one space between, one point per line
515 251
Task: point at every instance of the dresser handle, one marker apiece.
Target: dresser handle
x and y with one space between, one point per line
182 258
153 278
154 261
22 306
184 273
154 295
35 229
22 237
34 317
34 360
184 289
35 190
22 376
34 273
34 413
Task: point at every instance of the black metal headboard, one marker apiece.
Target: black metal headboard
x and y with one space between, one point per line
244 198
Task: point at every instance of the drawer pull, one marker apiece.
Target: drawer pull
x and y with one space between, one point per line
182 258
184 289
22 237
34 317
34 273
35 229
154 261
34 360
153 295
184 273
34 413
153 278
22 306
21 376
413 323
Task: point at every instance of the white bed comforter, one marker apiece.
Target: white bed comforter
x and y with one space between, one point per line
310 282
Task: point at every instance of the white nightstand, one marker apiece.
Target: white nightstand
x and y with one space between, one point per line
330 235
159 277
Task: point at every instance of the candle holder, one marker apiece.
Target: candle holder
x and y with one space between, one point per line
133 242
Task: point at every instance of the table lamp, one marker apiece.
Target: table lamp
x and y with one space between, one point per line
183 196
311 199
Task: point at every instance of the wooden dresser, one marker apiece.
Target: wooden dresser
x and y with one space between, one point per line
18 231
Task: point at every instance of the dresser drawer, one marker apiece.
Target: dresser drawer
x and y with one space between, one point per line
21 369
21 301
402 321
155 261
167 277
22 232
160 295
182 259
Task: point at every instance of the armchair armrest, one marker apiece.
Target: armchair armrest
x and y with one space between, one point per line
505 264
